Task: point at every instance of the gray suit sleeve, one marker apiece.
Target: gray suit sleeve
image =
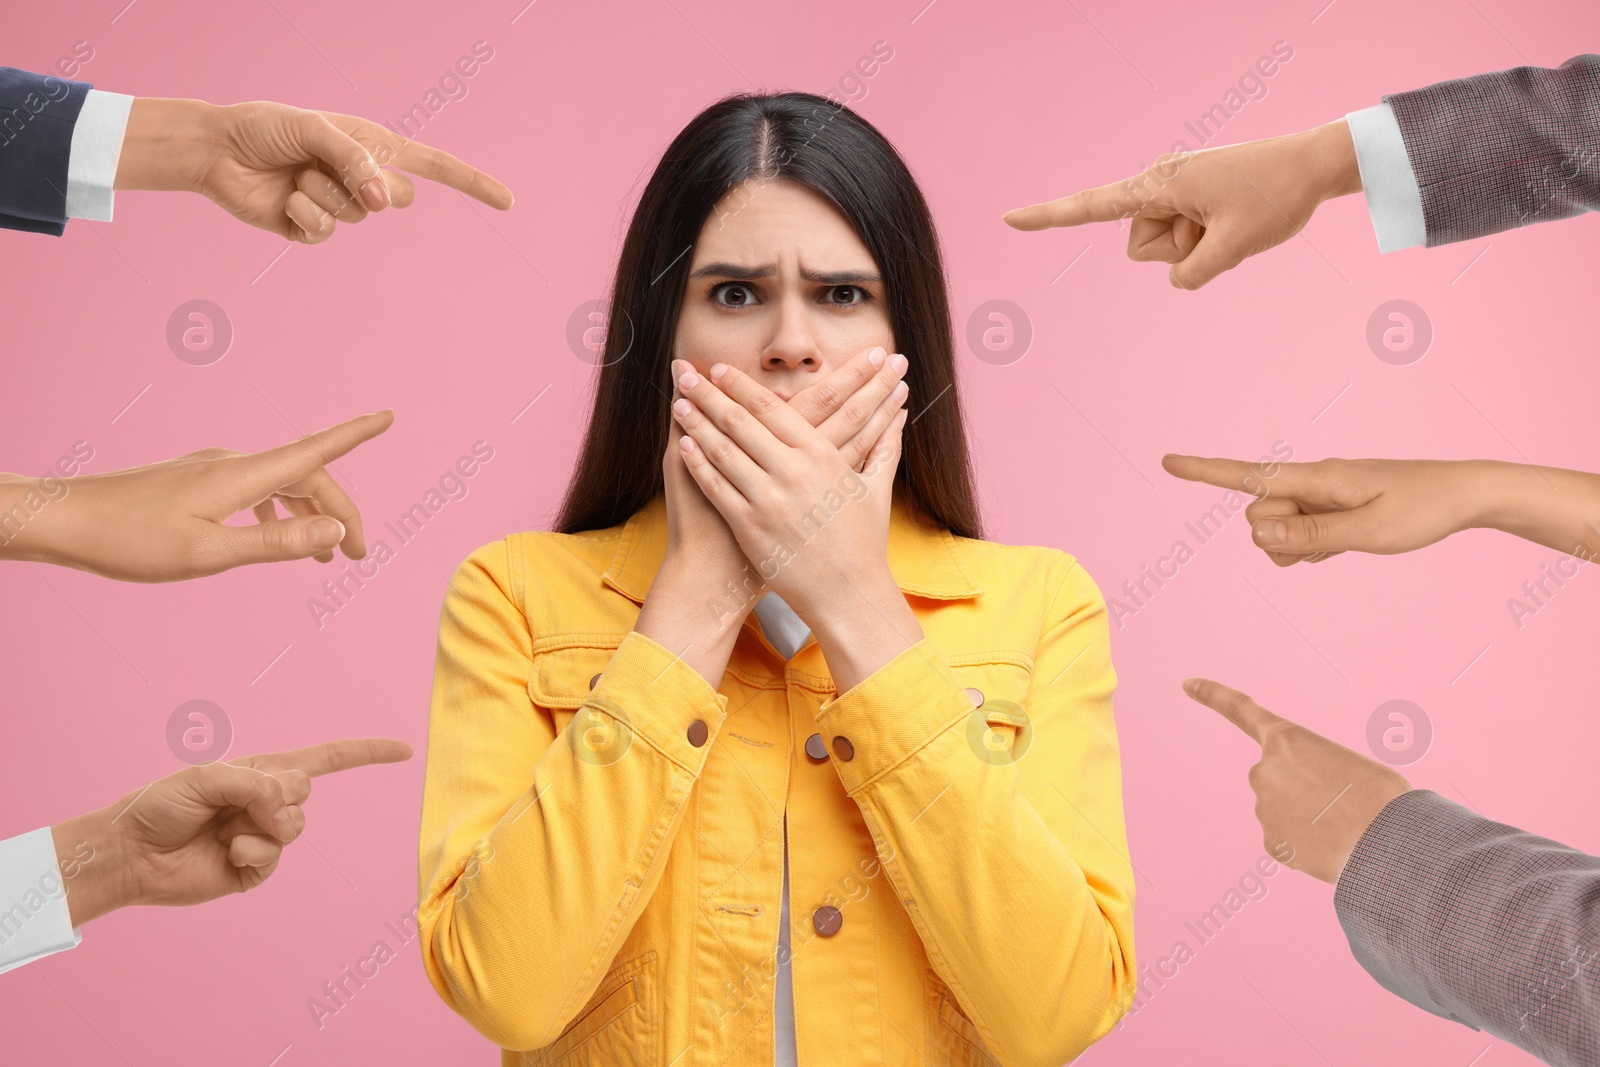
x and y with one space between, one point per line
1479 922
1497 151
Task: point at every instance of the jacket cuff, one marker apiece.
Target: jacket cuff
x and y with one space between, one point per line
1387 895
653 693
891 714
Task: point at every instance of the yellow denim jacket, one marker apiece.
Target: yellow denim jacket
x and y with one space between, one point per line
602 836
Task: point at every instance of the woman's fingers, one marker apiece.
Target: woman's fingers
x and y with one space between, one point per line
817 402
688 463
745 411
721 448
743 429
885 455
871 372
858 448
723 494
713 446
854 411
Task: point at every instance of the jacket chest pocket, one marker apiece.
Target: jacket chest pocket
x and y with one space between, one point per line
620 1025
949 1037
560 680
998 731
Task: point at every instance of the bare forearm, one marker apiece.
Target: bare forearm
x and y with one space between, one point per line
93 865
866 628
1331 156
1550 506
167 144
692 619
44 520
24 503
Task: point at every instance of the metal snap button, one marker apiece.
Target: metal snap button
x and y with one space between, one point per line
826 920
816 749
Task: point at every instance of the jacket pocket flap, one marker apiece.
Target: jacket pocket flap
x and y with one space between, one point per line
562 676
997 684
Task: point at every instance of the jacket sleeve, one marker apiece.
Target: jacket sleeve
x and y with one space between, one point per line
1012 864
539 850
1479 922
1501 150
37 116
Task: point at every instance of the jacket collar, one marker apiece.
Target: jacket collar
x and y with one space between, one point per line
925 559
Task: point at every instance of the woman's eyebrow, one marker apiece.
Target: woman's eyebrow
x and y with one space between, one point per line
745 274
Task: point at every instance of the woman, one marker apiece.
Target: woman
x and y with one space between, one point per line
632 784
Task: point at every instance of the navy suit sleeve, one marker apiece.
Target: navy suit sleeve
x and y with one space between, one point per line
37 115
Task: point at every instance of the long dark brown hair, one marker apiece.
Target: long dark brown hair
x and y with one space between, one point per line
826 147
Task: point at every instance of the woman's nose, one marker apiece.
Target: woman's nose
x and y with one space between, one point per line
793 345
787 359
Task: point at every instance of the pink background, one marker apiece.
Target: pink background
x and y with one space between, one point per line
456 317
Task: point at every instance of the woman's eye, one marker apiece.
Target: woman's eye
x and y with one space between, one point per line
742 291
738 294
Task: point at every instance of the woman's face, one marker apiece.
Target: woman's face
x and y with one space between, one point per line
781 288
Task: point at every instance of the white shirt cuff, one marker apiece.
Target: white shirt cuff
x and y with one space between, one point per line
1393 197
34 918
96 148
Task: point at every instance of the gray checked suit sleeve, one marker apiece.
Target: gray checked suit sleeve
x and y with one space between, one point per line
1497 151
1479 922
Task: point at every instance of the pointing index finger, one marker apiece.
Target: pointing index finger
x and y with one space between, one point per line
437 165
1129 198
1238 708
331 756
1234 473
1223 473
390 149
289 463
